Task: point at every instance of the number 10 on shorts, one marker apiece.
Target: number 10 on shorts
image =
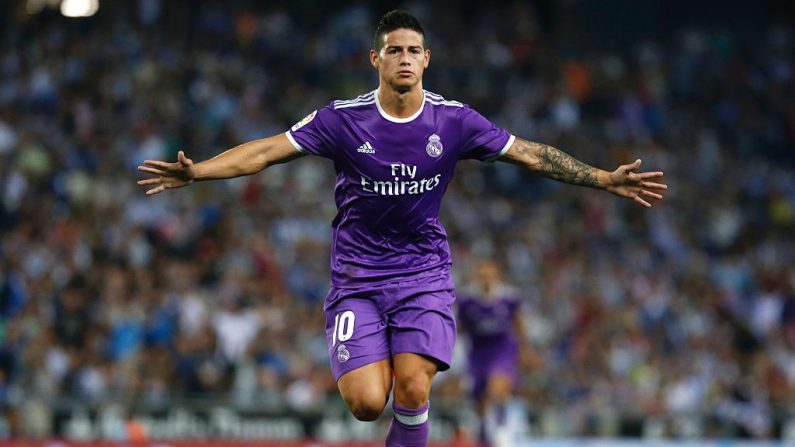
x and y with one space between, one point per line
343 327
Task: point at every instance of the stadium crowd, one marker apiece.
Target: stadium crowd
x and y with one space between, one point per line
678 320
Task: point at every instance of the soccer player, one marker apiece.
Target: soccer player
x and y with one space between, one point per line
394 150
488 313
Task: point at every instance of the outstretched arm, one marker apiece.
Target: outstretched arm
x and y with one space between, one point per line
246 159
558 165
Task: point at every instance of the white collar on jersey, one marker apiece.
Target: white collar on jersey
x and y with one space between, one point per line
389 117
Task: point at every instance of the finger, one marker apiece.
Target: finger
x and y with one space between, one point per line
654 185
154 191
150 181
154 171
651 194
185 161
642 202
654 174
632 166
159 164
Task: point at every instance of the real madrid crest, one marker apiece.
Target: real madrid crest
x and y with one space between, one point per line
434 147
343 354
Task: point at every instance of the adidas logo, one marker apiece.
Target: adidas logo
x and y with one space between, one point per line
366 148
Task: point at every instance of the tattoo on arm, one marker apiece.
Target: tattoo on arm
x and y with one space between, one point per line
555 164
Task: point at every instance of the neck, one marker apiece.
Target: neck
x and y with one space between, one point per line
400 104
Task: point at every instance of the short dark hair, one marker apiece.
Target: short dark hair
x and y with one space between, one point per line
393 20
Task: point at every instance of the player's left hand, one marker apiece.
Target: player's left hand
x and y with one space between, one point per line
638 186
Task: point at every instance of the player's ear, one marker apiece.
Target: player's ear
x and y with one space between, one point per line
374 59
427 57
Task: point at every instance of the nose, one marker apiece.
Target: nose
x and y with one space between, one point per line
404 58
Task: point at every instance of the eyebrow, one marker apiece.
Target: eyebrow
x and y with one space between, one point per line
410 47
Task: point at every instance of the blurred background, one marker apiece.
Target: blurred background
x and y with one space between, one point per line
198 313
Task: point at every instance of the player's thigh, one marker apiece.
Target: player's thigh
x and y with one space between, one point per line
365 390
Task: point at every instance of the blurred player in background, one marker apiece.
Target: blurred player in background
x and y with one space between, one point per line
394 150
489 315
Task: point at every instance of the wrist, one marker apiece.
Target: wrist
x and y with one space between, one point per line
603 180
197 172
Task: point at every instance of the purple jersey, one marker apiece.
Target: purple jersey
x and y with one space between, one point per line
391 175
489 322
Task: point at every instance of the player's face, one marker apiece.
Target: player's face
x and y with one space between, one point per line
488 273
402 59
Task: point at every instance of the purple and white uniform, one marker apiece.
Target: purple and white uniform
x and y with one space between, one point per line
494 346
391 286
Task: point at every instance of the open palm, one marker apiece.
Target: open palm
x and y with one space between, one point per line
638 186
167 175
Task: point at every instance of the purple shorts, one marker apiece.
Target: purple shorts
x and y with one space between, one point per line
484 363
364 326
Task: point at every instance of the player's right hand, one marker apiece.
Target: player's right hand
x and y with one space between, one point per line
167 175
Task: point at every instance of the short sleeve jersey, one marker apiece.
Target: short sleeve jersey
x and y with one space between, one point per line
391 176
